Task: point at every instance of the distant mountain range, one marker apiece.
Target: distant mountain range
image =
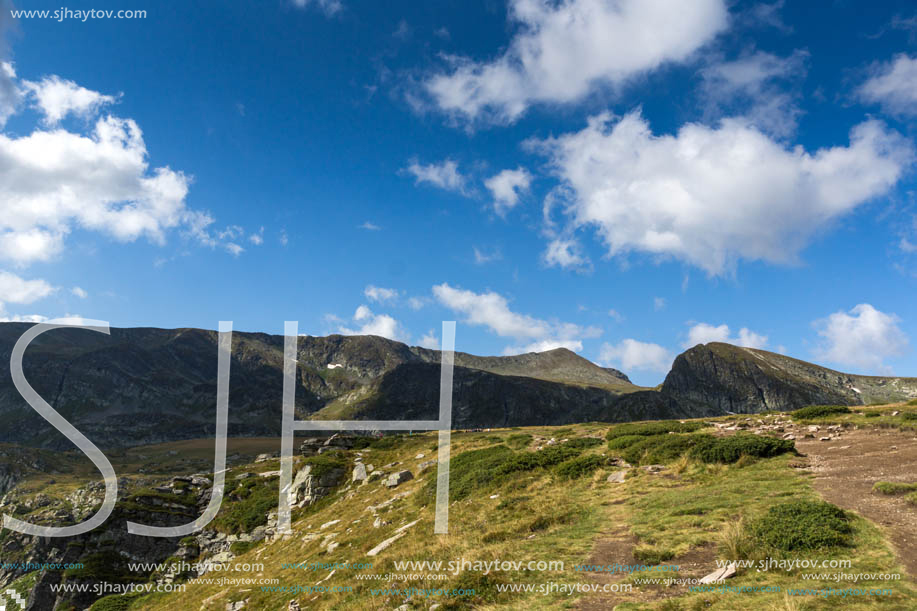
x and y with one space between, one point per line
143 385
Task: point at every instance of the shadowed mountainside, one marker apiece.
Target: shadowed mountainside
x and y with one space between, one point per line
143 385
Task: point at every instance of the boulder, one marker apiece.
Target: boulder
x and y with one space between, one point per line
359 473
398 478
617 477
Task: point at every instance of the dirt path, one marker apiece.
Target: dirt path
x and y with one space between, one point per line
846 468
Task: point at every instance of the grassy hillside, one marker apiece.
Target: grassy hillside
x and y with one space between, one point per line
691 493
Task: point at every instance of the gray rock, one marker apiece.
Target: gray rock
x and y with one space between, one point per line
359 473
617 477
395 479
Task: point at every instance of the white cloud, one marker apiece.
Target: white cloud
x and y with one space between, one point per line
382 325
257 238
53 181
78 292
630 354
482 257
658 303
429 340
444 175
377 293
863 337
9 93
14 289
712 196
491 310
370 226
506 187
56 98
893 85
417 303
703 333
615 315
329 7
754 86
565 252
564 50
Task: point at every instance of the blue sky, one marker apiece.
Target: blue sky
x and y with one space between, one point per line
622 178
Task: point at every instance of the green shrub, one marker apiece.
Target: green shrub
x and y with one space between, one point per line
469 472
912 402
909 416
872 414
581 443
659 427
911 498
325 463
819 411
107 566
518 441
247 505
802 525
661 449
893 487
580 466
711 449
625 441
548 457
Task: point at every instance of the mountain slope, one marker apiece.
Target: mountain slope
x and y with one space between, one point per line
745 380
141 386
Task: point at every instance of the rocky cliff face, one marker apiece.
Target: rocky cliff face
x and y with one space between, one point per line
743 380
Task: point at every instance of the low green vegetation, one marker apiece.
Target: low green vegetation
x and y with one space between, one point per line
892 488
519 441
659 427
661 449
583 443
803 526
730 449
819 411
580 466
246 504
325 463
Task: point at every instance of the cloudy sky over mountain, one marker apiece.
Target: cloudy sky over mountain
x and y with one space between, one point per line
624 178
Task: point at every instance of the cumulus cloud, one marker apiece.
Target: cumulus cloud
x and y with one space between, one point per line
863 337
564 50
378 294
371 323
630 354
429 340
703 333
755 87
56 98
444 175
14 289
79 292
368 226
492 310
893 85
506 188
54 180
711 196
565 252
